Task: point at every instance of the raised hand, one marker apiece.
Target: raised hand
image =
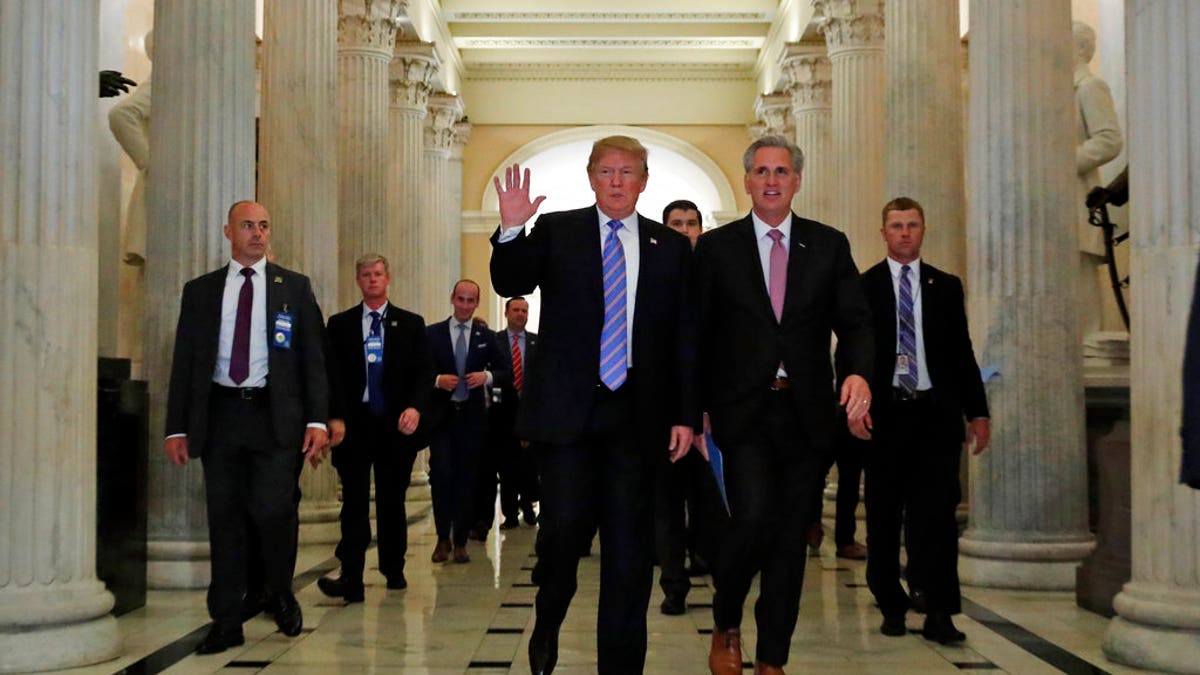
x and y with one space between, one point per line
515 205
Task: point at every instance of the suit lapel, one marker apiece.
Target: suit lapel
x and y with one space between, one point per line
885 299
797 258
214 291
752 261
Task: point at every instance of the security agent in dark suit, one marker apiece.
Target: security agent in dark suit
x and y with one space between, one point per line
611 391
382 357
514 461
465 359
248 394
926 381
774 287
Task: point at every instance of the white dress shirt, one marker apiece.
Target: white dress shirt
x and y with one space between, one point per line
258 326
914 277
470 324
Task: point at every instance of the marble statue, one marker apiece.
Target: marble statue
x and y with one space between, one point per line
129 122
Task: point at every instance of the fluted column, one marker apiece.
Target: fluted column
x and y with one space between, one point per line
810 81
923 122
366 37
410 80
444 111
853 32
53 610
454 206
1028 516
203 80
297 182
1158 611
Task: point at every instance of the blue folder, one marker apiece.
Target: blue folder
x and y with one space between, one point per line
716 461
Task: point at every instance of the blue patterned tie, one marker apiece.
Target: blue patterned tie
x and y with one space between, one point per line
907 331
461 393
613 341
375 372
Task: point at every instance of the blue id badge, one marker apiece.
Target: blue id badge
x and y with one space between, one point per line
281 337
374 349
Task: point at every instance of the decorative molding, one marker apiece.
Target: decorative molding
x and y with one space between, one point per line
611 71
444 111
462 132
608 43
410 74
774 112
480 222
609 17
369 24
808 74
850 24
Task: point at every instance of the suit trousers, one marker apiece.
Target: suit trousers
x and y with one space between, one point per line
772 477
518 477
686 504
848 453
373 441
606 478
247 474
453 470
912 482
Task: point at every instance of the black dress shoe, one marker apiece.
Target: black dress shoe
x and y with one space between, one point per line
918 600
220 639
698 568
397 581
350 590
939 628
287 614
510 523
673 605
893 626
543 651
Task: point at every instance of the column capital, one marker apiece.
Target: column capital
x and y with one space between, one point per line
774 113
850 25
809 75
369 24
462 132
444 111
410 75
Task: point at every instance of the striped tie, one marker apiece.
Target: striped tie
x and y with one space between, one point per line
613 347
518 364
907 331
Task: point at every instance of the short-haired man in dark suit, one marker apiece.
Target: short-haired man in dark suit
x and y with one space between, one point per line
238 326
518 477
774 287
464 360
926 381
382 358
612 388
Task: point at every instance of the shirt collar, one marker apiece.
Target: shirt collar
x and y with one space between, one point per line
260 267
630 222
761 228
366 311
915 266
455 323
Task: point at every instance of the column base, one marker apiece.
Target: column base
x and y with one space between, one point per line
177 565
65 628
319 523
1041 566
1157 628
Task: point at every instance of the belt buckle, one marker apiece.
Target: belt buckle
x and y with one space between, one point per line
780 384
246 393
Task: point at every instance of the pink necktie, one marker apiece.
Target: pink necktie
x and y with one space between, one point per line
778 273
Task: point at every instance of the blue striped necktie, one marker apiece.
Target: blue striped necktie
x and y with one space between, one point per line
375 371
613 341
907 330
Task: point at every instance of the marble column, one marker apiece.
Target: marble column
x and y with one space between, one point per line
923 123
809 76
297 183
204 114
853 31
410 82
53 609
1158 611
1028 515
454 195
444 111
366 37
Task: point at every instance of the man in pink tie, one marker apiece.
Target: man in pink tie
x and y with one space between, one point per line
774 288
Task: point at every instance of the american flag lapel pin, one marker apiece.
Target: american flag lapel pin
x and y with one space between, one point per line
279 280
653 241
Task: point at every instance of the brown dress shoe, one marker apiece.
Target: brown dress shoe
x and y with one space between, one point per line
725 656
441 552
852 551
761 668
460 555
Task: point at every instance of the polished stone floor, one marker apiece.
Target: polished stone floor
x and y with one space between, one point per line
476 618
